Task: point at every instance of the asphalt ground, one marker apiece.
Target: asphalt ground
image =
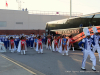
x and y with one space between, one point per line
48 63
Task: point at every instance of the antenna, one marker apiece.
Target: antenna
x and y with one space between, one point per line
19 4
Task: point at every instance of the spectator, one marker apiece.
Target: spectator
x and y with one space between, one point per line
26 9
23 9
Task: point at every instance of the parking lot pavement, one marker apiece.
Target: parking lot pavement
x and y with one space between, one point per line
53 63
9 67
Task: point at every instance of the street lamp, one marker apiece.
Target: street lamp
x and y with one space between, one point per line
70 8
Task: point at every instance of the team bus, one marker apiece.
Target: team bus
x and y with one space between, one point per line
74 26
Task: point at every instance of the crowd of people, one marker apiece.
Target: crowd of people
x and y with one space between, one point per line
22 42
59 44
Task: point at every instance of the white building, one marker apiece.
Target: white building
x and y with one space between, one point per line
16 22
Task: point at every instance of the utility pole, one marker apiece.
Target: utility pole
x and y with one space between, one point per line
70 8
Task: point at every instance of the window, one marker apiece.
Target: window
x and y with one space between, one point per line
19 22
3 24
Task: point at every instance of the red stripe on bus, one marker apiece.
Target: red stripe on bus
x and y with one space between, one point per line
81 37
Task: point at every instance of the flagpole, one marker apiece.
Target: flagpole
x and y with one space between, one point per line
5 4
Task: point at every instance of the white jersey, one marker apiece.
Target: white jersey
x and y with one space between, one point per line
96 40
88 44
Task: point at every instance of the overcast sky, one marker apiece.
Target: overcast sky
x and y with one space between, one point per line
83 6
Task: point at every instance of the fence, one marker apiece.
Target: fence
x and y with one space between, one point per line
54 13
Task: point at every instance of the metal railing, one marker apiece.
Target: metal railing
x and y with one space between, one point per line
53 13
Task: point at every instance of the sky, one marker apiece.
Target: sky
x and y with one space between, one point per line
82 6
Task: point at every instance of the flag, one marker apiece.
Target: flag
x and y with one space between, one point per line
57 12
6 4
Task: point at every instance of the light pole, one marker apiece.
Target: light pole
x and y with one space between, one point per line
70 8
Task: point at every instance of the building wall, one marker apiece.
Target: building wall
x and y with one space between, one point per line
20 20
11 17
26 32
39 21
